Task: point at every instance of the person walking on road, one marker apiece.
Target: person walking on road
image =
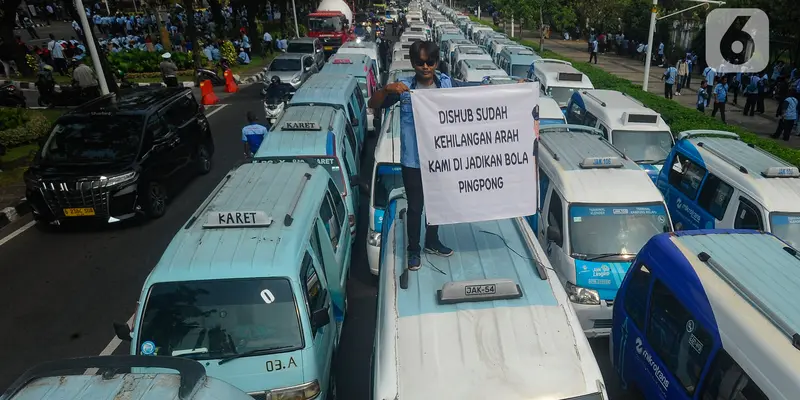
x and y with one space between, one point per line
788 117
424 57
57 52
594 48
669 80
267 43
751 97
702 96
253 134
683 70
169 71
720 94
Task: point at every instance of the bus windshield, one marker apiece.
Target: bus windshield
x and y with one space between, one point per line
618 231
387 178
787 227
644 147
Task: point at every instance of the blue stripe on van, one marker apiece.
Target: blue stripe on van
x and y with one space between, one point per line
378 219
330 144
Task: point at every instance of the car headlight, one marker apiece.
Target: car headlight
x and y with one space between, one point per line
118 179
306 391
374 238
370 111
581 295
296 79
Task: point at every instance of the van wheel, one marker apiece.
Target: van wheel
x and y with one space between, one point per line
155 200
203 159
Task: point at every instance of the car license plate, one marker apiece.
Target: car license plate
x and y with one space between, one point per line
479 290
328 47
79 212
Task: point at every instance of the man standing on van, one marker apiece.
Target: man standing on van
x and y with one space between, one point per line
253 135
425 59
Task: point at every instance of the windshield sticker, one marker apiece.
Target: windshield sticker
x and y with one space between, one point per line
588 211
785 220
277 365
696 344
267 296
148 348
576 219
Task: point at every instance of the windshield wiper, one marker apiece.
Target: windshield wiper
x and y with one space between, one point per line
647 161
606 255
255 352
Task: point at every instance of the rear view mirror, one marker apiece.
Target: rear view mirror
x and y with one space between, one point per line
308 69
320 318
554 235
122 331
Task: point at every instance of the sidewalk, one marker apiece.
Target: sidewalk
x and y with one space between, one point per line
633 70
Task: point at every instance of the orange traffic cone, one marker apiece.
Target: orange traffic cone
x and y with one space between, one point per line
230 84
207 93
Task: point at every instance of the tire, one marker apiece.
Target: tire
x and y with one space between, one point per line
203 158
155 200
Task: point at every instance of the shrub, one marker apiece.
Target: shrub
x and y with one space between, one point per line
678 117
31 126
228 52
11 118
145 61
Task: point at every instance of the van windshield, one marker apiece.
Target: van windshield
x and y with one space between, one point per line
520 70
329 163
300 47
614 231
362 84
395 76
387 178
787 227
214 319
644 147
94 139
561 94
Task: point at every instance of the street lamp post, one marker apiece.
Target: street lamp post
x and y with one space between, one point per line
89 36
653 17
296 27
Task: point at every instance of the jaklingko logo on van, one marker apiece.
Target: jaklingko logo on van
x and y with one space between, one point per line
662 379
686 209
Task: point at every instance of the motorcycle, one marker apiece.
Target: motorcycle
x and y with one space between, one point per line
11 96
274 106
64 96
217 79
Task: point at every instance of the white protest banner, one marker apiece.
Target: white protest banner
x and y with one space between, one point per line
476 152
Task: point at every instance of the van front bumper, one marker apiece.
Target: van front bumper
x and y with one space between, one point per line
595 320
373 258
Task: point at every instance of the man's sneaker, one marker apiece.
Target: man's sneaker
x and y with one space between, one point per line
413 261
438 249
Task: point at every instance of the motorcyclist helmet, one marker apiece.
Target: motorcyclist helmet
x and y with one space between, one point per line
275 80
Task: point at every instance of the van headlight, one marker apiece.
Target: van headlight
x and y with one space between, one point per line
296 79
118 179
374 238
581 295
306 391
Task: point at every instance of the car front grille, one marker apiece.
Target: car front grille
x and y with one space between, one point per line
76 194
602 324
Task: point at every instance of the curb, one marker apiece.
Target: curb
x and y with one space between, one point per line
11 214
254 78
34 25
32 85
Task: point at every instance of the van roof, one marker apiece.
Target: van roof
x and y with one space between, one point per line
441 348
401 65
562 153
354 44
480 64
549 109
747 278
328 88
286 139
199 253
727 157
619 110
552 68
345 64
139 101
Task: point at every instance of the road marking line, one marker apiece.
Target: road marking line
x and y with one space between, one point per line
17 232
110 347
216 109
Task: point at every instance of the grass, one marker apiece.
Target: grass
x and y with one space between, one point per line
51 114
16 153
11 177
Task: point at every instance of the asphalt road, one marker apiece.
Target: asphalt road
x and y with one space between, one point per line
64 289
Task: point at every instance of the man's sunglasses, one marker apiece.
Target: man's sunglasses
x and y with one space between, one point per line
429 62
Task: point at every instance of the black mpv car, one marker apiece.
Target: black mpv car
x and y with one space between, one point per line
120 156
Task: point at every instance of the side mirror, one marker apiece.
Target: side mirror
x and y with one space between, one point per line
320 318
122 331
308 69
554 235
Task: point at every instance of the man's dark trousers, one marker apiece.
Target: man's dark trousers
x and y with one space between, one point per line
412 180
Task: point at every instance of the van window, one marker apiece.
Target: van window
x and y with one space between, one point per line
555 213
591 120
544 183
360 101
351 136
575 114
685 175
313 286
316 247
636 296
726 380
747 216
351 113
715 196
604 130
180 111
336 200
331 224
677 337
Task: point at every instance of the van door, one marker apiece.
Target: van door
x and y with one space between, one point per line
181 119
748 215
351 172
317 297
355 123
714 200
352 141
334 231
555 247
685 178
544 185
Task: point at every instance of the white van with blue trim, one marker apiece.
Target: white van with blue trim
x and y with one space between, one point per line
596 209
491 322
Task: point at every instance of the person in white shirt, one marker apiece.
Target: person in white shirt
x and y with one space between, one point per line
57 52
267 43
